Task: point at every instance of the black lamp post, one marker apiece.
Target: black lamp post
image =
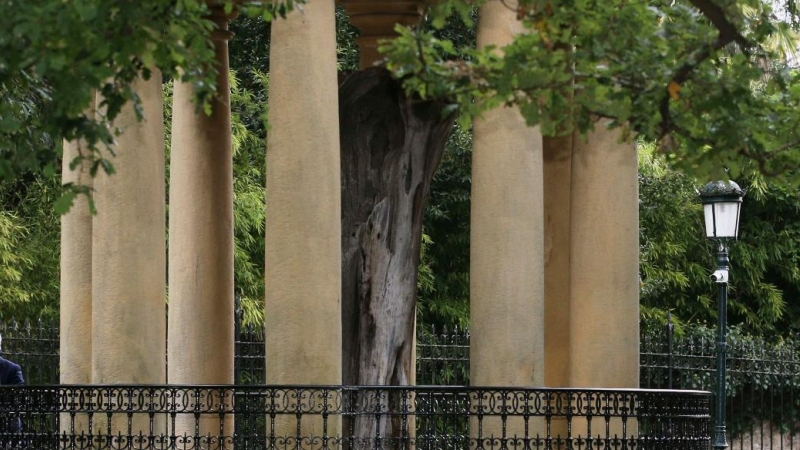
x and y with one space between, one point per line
722 201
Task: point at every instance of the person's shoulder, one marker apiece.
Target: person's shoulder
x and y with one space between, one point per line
9 364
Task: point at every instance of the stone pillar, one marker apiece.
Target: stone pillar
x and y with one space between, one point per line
506 274
557 176
201 311
128 250
303 201
604 262
506 253
75 305
376 20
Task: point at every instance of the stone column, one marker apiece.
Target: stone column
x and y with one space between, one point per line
506 274
75 344
201 335
303 201
75 305
128 250
604 262
506 253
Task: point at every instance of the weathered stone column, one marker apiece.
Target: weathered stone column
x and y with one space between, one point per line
75 305
604 262
129 262
128 250
506 273
201 335
506 253
303 197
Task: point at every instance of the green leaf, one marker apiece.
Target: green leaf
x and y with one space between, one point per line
64 202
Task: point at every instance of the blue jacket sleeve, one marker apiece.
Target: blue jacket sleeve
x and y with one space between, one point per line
16 375
12 424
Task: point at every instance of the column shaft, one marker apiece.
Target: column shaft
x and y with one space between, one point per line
303 231
201 330
506 250
604 262
128 250
303 240
201 233
506 273
75 305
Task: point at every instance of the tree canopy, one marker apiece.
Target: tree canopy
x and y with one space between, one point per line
706 79
675 257
55 56
709 80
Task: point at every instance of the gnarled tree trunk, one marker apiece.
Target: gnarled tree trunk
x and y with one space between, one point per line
391 146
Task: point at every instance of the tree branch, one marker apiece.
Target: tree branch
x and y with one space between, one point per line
727 30
727 34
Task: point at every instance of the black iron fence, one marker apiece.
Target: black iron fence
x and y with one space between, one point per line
249 363
34 346
763 407
443 356
349 417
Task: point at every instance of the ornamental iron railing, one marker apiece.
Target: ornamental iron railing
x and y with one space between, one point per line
350 417
763 409
763 404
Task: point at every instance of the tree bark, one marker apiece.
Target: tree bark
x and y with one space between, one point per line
391 147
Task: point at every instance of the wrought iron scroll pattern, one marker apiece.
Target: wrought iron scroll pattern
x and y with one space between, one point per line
279 417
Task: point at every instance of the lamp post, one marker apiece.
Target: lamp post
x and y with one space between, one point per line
722 201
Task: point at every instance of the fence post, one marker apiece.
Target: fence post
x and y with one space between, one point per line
237 337
670 363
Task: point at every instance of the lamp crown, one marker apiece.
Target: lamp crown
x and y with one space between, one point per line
721 189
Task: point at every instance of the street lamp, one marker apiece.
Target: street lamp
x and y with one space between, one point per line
722 201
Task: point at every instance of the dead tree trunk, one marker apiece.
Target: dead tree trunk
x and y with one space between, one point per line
391 146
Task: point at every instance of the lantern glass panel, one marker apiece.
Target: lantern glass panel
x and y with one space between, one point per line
722 219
